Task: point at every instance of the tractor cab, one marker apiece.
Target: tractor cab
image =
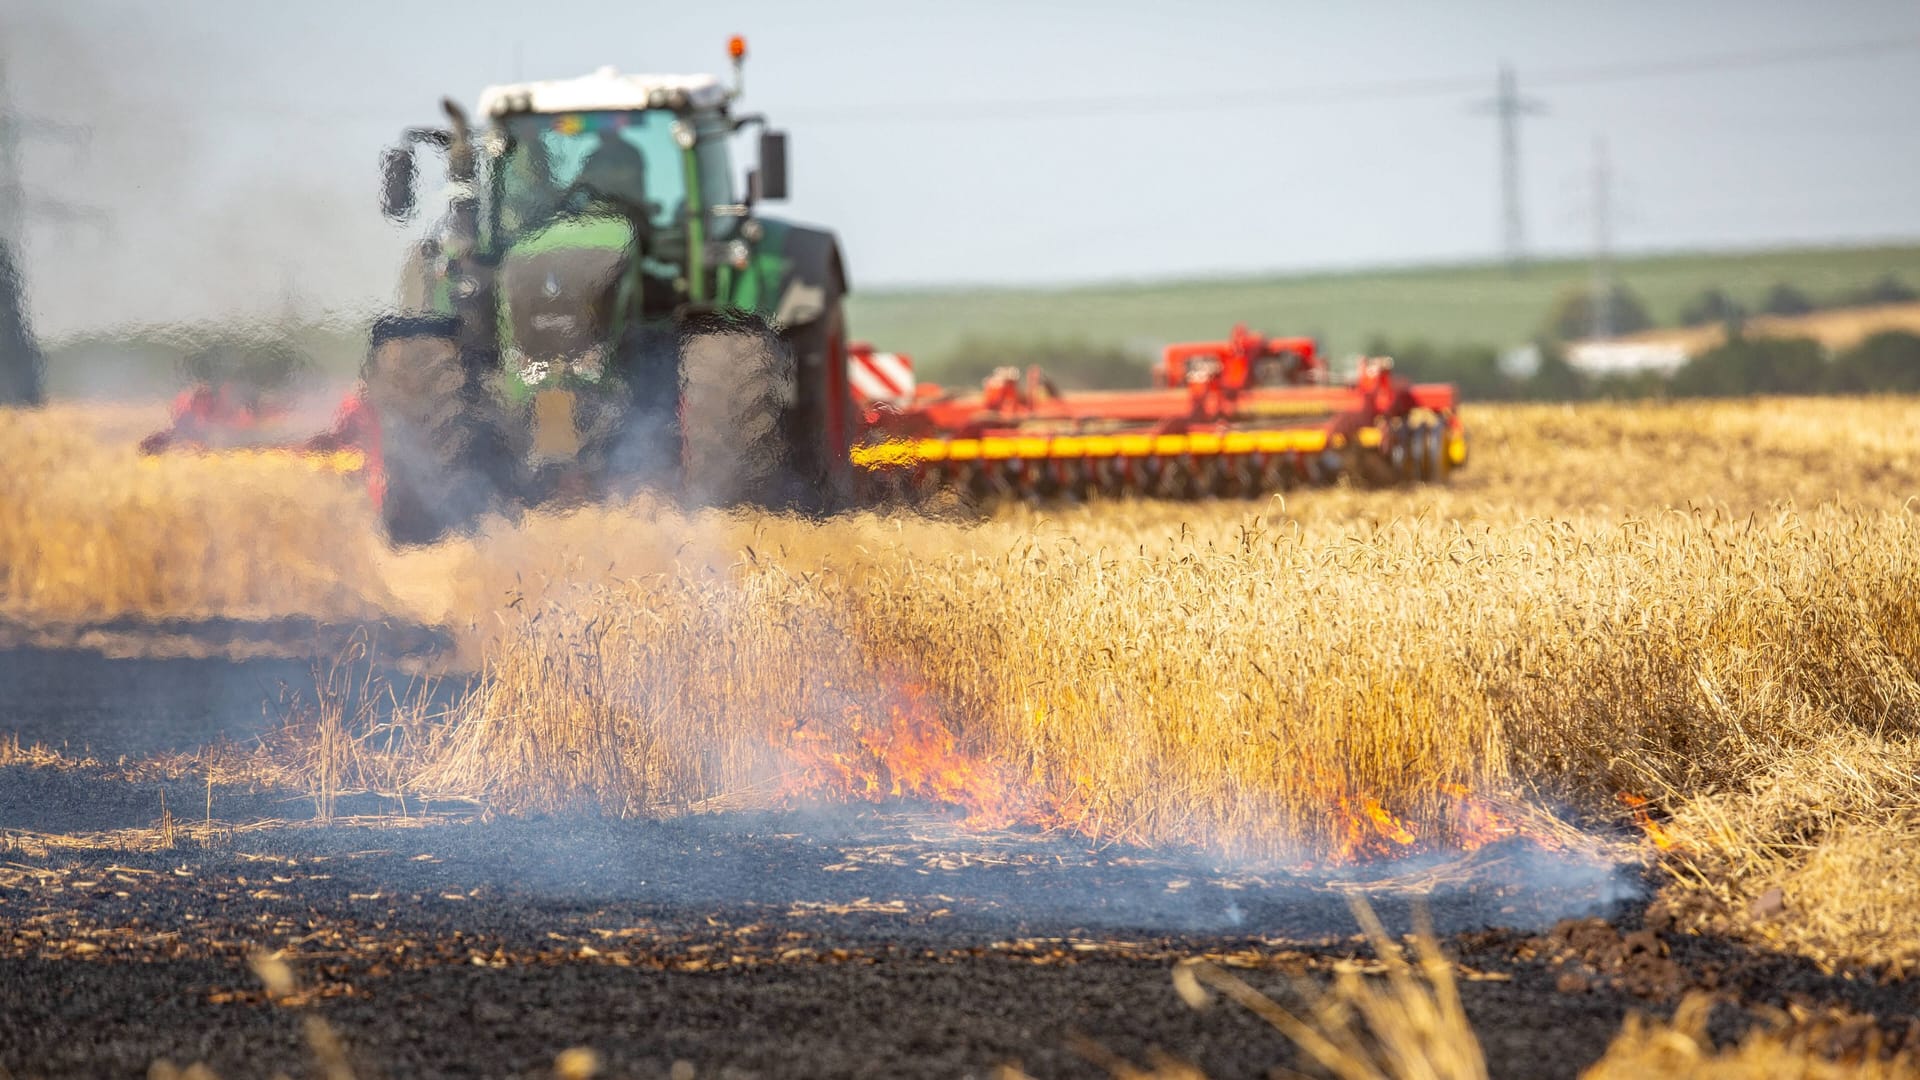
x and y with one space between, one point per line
650 152
611 163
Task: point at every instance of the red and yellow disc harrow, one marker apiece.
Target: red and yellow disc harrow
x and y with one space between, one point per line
1243 416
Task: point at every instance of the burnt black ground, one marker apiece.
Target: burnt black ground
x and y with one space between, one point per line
86 702
810 943
723 940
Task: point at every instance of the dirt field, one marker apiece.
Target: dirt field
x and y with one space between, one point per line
934 795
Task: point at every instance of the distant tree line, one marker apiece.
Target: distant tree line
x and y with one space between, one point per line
1716 305
1883 363
1574 315
1887 362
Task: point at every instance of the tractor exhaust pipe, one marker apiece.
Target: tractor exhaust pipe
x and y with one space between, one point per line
460 145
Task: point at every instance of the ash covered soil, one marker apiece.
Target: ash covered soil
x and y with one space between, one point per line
870 942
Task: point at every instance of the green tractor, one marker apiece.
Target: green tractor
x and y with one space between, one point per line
602 308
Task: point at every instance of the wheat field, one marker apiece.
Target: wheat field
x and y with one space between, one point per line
1714 606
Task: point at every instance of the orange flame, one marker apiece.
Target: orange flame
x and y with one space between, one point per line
1372 832
1656 832
1478 822
901 748
1468 823
911 754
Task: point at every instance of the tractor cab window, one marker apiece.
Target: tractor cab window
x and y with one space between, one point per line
575 162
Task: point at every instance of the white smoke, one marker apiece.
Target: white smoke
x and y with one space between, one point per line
137 215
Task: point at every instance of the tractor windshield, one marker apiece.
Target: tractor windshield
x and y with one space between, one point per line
577 162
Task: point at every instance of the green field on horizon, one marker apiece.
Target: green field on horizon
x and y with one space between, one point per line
1444 304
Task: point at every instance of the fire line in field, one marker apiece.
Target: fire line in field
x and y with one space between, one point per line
1368 831
900 748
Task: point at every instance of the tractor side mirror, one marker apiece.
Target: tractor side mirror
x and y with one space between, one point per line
397 173
770 179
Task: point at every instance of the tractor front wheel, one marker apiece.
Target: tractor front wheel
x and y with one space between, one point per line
439 455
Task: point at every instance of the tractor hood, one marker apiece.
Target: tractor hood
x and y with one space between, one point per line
559 287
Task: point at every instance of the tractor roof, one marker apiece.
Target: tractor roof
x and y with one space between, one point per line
607 88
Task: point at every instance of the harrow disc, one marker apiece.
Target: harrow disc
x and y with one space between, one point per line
1397 448
1430 452
1280 472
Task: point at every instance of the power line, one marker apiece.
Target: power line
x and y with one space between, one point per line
1509 106
1350 93
1730 61
1067 107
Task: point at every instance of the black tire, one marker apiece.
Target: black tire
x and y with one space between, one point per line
21 366
1430 443
823 471
736 389
440 452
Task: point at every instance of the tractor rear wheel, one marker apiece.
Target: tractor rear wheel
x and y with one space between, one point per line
439 453
822 421
736 386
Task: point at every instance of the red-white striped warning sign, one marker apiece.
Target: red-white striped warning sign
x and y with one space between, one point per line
880 377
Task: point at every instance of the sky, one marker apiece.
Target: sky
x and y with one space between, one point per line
232 147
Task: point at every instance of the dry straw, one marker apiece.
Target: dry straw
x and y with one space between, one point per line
1715 605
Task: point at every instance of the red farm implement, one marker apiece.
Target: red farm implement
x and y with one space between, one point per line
1243 416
